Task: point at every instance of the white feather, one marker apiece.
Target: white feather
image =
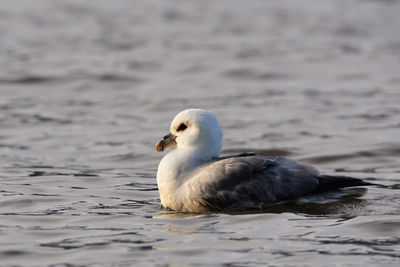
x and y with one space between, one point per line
196 145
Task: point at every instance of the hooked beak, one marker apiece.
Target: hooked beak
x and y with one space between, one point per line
168 140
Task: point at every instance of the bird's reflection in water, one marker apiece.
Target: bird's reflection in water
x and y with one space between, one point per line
189 223
344 208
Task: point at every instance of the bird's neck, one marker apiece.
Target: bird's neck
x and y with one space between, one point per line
182 160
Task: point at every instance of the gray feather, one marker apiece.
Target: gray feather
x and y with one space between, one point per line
248 182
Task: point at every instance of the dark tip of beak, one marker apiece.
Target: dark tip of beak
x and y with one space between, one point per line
167 141
159 146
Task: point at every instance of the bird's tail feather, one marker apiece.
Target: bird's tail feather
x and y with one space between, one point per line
330 182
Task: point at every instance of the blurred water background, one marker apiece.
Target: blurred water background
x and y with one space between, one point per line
88 87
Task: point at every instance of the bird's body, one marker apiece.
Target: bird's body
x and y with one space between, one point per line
193 178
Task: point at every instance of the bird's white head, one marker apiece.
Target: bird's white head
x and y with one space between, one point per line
195 129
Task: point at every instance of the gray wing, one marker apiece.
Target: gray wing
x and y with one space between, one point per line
250 181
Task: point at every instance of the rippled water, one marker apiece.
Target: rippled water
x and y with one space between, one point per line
88 87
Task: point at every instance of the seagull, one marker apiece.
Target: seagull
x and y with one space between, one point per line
194 178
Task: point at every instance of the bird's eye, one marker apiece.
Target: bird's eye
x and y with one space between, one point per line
181 127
